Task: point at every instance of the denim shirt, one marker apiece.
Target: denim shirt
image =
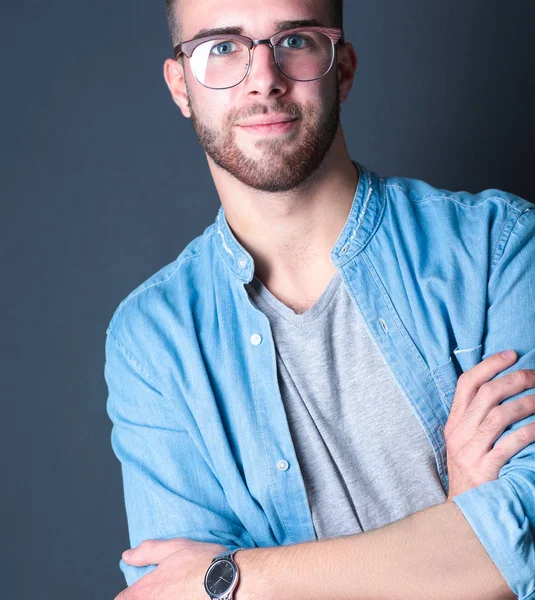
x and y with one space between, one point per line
442 279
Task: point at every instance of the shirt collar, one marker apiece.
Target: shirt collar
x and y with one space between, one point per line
360 226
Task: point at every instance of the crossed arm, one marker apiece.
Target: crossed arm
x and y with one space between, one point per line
432 554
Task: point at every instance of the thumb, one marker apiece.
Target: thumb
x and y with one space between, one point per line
150 552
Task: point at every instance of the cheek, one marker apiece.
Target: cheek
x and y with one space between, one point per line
314 106
211 106
315 95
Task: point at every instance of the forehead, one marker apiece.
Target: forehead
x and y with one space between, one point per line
257 18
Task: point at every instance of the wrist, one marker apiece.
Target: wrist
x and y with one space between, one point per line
253 583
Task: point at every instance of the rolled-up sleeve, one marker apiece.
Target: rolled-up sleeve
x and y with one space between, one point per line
169 489
502 512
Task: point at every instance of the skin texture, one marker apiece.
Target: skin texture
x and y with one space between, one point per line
270 163
279 166
274 188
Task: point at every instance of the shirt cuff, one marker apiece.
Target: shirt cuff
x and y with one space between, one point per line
502 524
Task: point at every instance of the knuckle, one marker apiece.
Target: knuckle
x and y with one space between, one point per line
521 378
463 378
466 385
488 388
530 431
462 459
508 381
523 436
495 419
498 454
452 446
518 408
152 545
466 382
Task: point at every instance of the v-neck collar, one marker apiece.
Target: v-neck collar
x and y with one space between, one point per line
298 319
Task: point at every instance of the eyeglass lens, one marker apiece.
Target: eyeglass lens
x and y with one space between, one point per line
222 63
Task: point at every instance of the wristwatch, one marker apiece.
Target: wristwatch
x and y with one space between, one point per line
222 576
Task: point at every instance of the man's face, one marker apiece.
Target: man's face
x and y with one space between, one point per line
272 161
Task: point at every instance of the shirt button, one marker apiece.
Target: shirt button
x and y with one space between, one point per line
242 262
441 429
256 339
283 465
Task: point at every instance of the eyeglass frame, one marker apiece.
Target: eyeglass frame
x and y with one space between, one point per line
335 34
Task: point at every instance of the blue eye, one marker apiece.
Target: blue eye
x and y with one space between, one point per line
293 41
223 48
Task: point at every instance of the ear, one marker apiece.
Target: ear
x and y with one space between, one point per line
347 65
173 72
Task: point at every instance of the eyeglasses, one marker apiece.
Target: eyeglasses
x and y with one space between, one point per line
223 61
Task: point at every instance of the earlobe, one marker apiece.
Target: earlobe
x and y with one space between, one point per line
173 73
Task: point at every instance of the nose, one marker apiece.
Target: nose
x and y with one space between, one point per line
264 77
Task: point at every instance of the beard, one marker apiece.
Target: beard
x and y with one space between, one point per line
283 165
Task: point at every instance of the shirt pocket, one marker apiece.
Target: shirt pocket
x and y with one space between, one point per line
447 374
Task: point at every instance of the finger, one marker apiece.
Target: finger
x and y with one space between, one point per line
487 400
469 383
510 444
496 422
152 552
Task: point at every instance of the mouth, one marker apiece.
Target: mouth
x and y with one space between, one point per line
270 127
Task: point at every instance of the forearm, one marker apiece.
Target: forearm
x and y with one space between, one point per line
431 554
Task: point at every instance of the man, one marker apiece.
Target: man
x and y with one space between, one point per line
283 385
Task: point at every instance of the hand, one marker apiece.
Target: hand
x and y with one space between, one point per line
182 564
476 421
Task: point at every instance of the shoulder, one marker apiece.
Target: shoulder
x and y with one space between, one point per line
485 217
417 191
156 295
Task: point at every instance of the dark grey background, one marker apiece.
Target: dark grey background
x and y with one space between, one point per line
103 183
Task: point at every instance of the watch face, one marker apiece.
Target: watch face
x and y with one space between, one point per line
220 577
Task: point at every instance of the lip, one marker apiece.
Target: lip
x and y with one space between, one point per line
272 125
269 120
271 128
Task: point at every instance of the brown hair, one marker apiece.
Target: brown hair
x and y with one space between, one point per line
173 22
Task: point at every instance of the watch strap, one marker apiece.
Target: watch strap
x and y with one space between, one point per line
226 554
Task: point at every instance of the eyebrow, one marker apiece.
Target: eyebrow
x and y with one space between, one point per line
279 26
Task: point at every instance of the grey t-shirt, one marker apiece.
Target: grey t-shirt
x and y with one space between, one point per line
365 459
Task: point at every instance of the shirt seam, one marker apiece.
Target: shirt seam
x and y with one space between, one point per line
143 289
144 372
132 358
226 260
504 238
414 351
453 199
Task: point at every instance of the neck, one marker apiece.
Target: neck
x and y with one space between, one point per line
290 235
